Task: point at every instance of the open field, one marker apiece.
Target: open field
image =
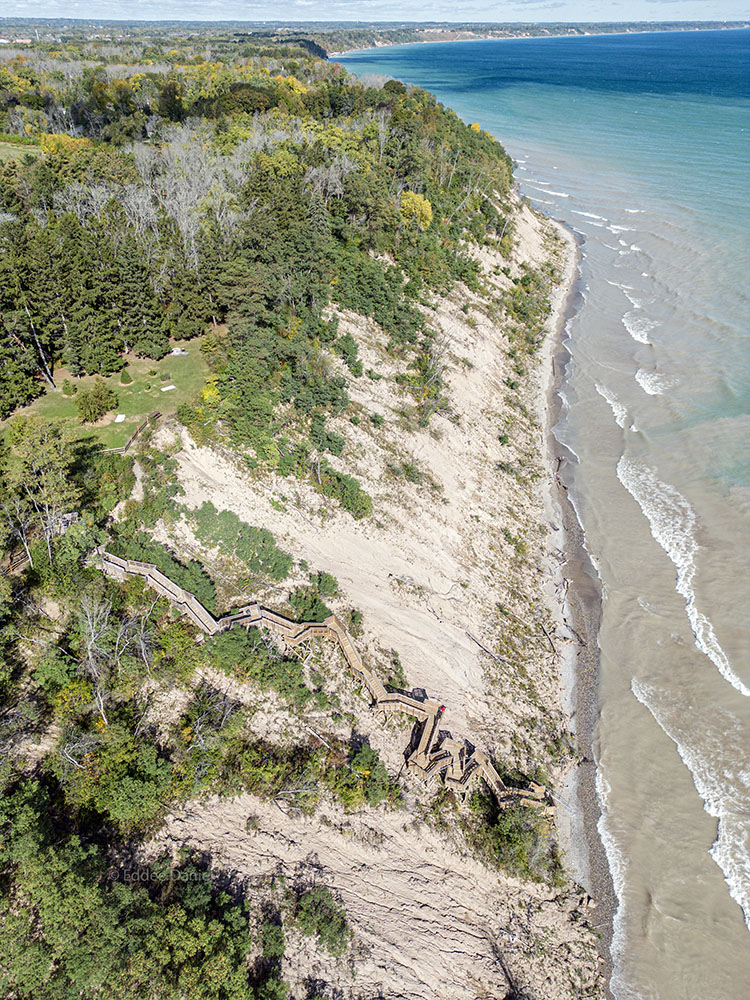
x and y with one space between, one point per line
142 396
13 151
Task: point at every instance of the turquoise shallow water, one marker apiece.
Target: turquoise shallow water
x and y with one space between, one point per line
641 143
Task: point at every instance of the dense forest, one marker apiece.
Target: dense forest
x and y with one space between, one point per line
151 200
233 194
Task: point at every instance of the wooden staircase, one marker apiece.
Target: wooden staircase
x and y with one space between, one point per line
455 763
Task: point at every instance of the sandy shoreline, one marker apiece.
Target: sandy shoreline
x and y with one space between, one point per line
581 609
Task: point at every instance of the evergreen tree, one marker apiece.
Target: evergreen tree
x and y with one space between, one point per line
17 303
93 403
19 373
189 309
49 291
139 314
93 340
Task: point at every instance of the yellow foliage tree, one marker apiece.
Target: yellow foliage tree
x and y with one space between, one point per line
295 85
52 142
74 697
210 391
475 127
416 208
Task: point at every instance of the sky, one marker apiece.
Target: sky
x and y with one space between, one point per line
383 10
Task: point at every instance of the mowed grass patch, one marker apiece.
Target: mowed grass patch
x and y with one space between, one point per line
136 400
14 151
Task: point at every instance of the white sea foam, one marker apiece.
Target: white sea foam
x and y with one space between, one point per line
618 870
672 522
634 300
714 750
588 215
616 284
653 383
621 229
635 211
637 248
619 411
617 863
638 327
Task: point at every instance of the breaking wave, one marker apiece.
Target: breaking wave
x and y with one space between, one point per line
588 215
619 411
653 383
672 521
714 752
638 327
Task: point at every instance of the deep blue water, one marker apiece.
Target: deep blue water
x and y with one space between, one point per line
707 62
641 144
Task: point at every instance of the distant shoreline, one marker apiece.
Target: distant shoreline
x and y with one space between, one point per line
730 26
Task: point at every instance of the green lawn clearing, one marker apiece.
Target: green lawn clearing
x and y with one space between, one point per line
14 151
142 396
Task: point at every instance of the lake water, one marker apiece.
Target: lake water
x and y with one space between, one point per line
641 143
